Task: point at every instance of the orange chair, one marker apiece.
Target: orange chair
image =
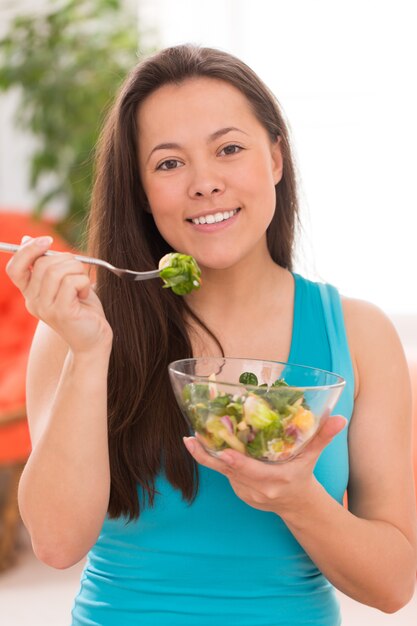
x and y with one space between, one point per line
16 332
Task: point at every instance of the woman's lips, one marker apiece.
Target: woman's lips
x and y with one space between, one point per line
210 228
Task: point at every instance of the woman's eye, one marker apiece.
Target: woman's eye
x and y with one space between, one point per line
231 149
169 164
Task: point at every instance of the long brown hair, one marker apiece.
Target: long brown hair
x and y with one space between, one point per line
150 323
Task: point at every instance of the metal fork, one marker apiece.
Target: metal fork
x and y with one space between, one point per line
121 273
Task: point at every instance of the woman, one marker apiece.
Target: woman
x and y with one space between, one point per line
195 157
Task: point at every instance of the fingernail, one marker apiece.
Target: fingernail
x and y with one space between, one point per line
189 443
44 241
25 239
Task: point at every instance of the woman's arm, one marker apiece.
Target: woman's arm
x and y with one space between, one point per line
64 489
65 486
368 552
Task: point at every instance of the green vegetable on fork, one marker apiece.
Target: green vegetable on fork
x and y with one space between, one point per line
180 272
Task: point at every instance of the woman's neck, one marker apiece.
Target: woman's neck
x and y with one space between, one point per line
250 285
248 308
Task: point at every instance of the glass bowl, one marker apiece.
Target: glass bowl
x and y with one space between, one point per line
268 410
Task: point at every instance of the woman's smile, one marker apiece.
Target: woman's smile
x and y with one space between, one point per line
214 221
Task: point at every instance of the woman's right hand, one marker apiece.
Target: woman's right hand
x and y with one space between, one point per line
58 291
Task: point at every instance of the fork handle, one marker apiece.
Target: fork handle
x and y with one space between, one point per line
12 247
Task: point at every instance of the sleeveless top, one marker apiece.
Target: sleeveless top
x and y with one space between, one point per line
218 560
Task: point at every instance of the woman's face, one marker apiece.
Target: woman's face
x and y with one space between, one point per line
209 170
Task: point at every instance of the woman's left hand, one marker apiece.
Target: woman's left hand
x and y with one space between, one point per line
266 486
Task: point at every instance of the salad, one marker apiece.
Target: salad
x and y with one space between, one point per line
180 272
268 423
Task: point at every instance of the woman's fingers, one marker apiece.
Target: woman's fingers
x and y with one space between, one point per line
73 288
19 266
48 283
47 278
197 451
57 290
330 427
231 463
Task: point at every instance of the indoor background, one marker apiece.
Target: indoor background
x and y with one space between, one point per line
343 73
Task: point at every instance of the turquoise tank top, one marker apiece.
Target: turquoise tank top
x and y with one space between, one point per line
219 561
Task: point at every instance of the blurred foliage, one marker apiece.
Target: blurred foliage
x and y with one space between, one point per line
68 62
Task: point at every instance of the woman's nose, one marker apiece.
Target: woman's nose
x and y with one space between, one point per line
208 192
205 183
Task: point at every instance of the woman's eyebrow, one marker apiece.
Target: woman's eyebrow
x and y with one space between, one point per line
212 137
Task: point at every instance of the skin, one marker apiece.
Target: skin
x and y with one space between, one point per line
368 551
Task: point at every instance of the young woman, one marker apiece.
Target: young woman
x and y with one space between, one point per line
195 157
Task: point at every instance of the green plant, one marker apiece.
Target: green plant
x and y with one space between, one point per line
68 63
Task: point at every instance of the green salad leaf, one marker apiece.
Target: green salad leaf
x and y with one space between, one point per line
280 382
258 448
280 398
218 406
180 273
196 392
247 378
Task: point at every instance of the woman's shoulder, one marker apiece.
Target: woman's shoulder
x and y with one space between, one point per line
372 337
366 319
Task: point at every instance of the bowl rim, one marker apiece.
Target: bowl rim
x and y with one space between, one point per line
341 382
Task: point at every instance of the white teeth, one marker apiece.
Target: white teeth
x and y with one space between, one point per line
217 217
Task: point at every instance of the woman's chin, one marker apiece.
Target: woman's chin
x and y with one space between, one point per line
222 263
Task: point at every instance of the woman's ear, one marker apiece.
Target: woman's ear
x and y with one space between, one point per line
277 160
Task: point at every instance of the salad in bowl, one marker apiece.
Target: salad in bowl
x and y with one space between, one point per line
268 410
